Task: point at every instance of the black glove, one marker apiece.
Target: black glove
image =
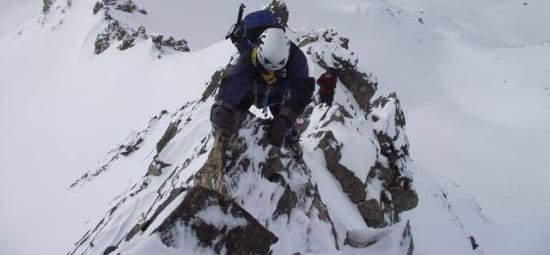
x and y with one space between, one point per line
223 120
280 126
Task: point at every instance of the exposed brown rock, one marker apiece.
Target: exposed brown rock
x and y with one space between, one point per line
361 85
250 238
351 185
372 213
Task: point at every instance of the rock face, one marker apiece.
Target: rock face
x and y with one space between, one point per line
237 168
47 5
384 189
124 35
233 230
352 186
330 50
389 124
162 43
280 10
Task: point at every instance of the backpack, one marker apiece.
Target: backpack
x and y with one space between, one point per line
244 32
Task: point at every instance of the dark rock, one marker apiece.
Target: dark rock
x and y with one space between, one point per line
160 42
327 35
170 132
114 31
127 43
155 168
171 43
132 146
97 7
110 2
126 35
307 39
280 10
394 149
128 6
351 185
403 199
330 36
344 63
213 85
211 175
248 238
47 5
287 201
102 43
361 85
372 213
109 249
473 242
143 226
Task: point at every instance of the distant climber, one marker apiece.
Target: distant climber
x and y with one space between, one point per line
271 73
327 83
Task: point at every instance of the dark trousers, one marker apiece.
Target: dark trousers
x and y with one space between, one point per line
326 98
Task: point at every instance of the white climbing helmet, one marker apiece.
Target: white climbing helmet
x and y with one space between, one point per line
273 49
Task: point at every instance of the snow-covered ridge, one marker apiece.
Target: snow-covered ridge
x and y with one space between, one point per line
320 198
124 36
115 33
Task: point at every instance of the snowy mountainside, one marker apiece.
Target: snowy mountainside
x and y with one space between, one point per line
471 78
292 209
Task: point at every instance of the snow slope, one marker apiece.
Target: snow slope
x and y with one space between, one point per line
473 80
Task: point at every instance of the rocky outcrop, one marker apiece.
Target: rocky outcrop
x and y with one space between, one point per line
361 85
125 36
352 186
163 44
330 50
239 172
280 10
170 132
117 32
129 6
46 6
218 223
391 167
387 188
328 35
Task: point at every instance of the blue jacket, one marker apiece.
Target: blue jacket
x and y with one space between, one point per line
244 85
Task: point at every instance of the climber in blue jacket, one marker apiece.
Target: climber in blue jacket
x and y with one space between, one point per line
271 73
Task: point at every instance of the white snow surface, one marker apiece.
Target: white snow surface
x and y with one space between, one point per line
473 80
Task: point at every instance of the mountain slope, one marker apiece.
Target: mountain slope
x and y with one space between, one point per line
474 91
